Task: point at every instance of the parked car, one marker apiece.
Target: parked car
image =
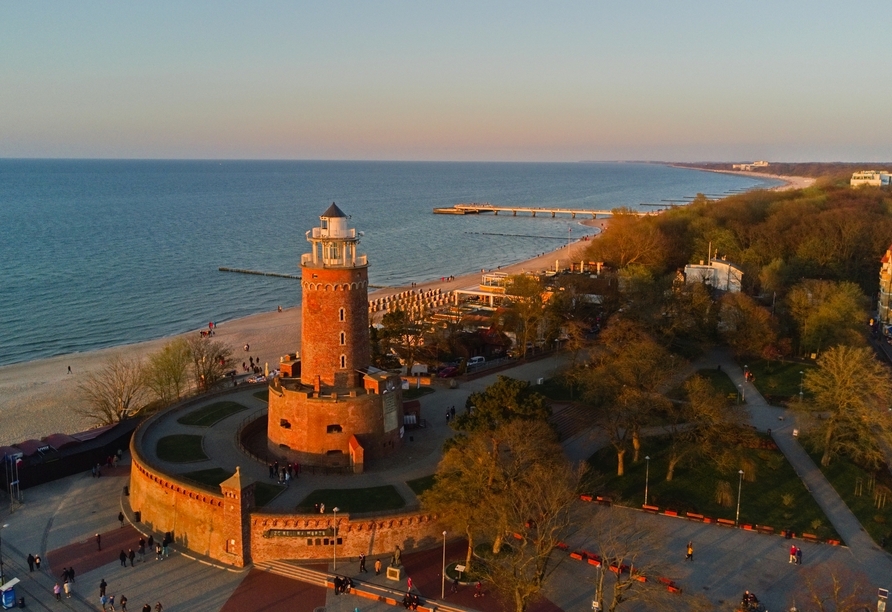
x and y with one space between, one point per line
448 372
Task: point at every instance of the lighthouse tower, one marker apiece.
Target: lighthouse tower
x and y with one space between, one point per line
330 406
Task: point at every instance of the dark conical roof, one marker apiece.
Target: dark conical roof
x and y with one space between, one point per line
333 211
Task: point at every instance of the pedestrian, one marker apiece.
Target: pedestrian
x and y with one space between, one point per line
57 591
142 550
321 508
337 585
30 562
452 411
123 603
409 583
102 585
157 550
111 603
123 558
448 416
478 589
455 585
798 556
377 567
159 607
121 518
131 555
272 471
37 562
103 601
98 542
287 478
147 608
67 588
71 573
362 563
151 542
792 553
690 555
69 369
64 574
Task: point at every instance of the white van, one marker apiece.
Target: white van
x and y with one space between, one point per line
474 362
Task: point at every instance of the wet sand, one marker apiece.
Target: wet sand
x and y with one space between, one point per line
37 398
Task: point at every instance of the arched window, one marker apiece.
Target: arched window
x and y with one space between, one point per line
341 315
343 361
343 339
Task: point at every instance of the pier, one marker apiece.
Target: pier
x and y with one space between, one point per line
259 273
476 209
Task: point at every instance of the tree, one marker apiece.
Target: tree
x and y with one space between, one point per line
851 397
503 401
630 239
828 313
115 392
167 371
832 587
746 327
526 309
402 333
210 360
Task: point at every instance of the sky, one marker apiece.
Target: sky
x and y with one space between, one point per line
661 80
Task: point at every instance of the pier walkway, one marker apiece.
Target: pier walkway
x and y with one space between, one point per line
476 209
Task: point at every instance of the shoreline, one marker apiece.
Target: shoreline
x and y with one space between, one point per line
790 182
38 397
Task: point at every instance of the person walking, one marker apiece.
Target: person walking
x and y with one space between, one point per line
690 555
147 608
377 567
30 562
103 602
57 591
102 586
71 574
159 607
66 586
798 556
37 562
123 558
123 603
142 550
131 555
362 563
409 583
121 518
793 553
111 603
98 542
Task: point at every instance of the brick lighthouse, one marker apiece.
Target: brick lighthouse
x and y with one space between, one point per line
330 406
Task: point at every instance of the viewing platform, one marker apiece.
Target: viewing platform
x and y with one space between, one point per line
476 209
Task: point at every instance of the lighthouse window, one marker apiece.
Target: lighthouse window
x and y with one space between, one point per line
343 361
324 223
333 251
333 429
343 339
341 315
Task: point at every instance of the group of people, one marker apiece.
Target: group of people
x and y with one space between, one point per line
450 414
749 601
342 585
410 600
107 602
34 563
795 555
161 549
288 472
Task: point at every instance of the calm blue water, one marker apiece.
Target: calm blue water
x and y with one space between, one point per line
100 253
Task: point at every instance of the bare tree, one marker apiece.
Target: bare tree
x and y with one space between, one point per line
832 587
210 361
115 392
167 372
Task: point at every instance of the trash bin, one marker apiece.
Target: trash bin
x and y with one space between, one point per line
126 491
137 516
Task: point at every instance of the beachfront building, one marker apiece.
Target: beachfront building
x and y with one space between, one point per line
884 297
749 167
718 274
871 178
330 406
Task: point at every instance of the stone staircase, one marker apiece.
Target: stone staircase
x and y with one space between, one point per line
570 419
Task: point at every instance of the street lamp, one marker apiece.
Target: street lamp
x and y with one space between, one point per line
334 540
443 582
646 477
801 374
739 488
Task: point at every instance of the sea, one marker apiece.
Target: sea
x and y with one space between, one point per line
97 253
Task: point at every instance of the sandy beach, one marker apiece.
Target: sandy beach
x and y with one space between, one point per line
790 182
38 398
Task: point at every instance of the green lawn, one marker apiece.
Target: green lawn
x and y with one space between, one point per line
263 395
720 381
844 475
778 381
180 448
370 499
211 479
420 485
413 393
211 414
777 498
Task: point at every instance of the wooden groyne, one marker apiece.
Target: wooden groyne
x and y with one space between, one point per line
259 273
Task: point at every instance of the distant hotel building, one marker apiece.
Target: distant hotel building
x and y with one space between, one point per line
871 178
718 274
748 167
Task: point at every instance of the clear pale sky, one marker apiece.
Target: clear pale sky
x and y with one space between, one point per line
787 80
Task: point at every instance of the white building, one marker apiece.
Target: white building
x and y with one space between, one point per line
872 178
748 167
718 274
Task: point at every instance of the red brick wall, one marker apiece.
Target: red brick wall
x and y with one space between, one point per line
309 417
375 537
325 292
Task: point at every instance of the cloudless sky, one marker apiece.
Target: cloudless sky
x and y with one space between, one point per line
787 80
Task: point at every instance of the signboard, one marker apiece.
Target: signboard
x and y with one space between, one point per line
298 533
389 400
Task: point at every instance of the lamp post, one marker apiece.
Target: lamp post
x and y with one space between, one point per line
646 477
443 582
334 540
801 374
739 488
